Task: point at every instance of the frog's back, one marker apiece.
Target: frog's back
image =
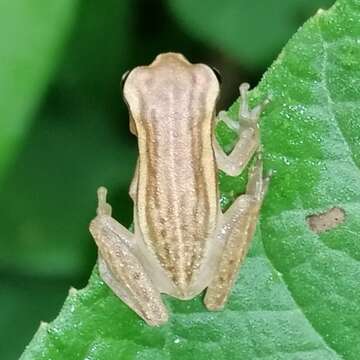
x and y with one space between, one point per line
172 103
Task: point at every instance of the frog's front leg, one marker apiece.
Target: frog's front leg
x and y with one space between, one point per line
120 267
235 232
248 129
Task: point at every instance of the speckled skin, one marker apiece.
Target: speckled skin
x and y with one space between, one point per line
182 242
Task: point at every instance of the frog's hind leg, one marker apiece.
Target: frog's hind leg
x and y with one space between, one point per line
120 267
236 231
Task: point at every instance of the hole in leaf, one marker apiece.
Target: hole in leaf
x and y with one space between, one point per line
327 220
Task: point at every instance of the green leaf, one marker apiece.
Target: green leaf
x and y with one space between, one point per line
46 224
100 52
70 150
252 32
22 301
297 295
28 54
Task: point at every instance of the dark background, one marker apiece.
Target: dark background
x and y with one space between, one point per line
79 138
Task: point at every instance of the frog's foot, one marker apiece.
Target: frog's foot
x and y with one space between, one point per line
247 129
120 267
236 231
247 116
103 207
258 183
230 122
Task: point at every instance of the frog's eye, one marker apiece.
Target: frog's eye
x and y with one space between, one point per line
217 74
124 77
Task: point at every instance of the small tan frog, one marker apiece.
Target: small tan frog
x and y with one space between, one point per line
182 242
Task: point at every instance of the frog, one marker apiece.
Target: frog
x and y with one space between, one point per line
182 242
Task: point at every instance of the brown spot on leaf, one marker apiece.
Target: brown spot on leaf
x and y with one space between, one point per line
327 220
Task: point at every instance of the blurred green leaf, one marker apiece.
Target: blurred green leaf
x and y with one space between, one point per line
25 301
32 35
297 296
100 52
252 32
78 143
45 226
